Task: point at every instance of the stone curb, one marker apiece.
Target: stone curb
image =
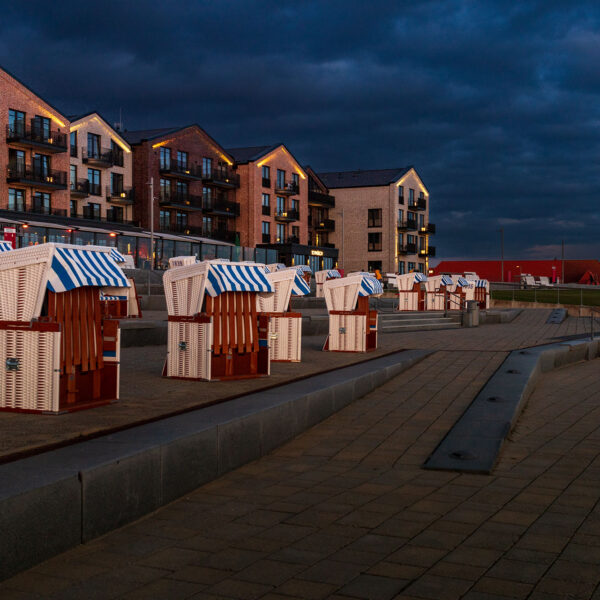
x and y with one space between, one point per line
474 442
56 500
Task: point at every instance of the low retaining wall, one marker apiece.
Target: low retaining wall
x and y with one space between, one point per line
59 499
574 310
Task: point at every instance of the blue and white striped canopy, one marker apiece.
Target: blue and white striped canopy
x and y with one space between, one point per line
116 255
419 277
369 286
481 283
446 280
333 274
304 268
300 287
73 268
463 282
224 277
103 297
5 246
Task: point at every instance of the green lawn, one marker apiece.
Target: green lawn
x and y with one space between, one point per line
550 296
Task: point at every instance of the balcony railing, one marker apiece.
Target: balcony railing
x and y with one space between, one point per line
418 204
181 170
427 252
287 215
407 249
34 135
266 210
221 176
266 238
324 225
266 182
220 207
104 157
289 188
80 188
74 152
320 199
35 175
120 195
429 228
224 235
95 189
40 209
409 225
176 200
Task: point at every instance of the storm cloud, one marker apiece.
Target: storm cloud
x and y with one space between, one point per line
495 103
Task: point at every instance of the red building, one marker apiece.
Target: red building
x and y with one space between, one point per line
491 270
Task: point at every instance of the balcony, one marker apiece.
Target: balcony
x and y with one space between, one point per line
287 216
80 188
40 209
418 204
122 196
427 252
427 229
287 188
181 170
95 189
266 182
407 249
74 152
181 228
266 210
266 238
319 199
223 235
35 176
224 208
180 201
324 225
409 225
221 177
35 136
103 158
327 245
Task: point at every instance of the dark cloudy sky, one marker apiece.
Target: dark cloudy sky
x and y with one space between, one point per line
495 103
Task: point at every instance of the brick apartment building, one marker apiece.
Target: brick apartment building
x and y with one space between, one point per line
194 183
381 220
274 201
101 171
34 151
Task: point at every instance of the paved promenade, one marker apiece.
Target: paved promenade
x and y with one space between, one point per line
345 511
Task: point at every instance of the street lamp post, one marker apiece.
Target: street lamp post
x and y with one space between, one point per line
502 253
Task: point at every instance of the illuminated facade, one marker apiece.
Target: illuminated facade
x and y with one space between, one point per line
34 152
381 220
100 171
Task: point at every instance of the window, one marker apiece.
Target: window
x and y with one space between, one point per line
73 208
41 165
93 145
266 232
207 225
412 218
266 176
207 196
16 199
94 179
181 220
182 190
374 265
421 243
400 216
296 179
114 214
296 206
116 183
411 196
165 158
401 267
41 203
41 127
165 189
266 204
411 239
280 233
280 179
374 242
400 194
92 211
280 205
165 219
73 139
374 217
411 266
16 122
206 167
296 233
421 220
117 153
400 240
182 160
73 176
422 195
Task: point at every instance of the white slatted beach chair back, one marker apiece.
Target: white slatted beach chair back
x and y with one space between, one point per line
342 294
405 282
279 301
184 289
433 283
321 276
182 261
275 267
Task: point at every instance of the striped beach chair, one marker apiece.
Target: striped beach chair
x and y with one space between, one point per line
58 351
321 277
5 246
215 330
352 324
411 292
119 304
463 291
437 288
481 293
285 327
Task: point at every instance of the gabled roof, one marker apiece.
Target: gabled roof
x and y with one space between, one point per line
349 179
94 113
251 153
60 112
315 177
143 135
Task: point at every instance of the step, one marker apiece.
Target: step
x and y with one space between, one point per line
417 322
431 327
